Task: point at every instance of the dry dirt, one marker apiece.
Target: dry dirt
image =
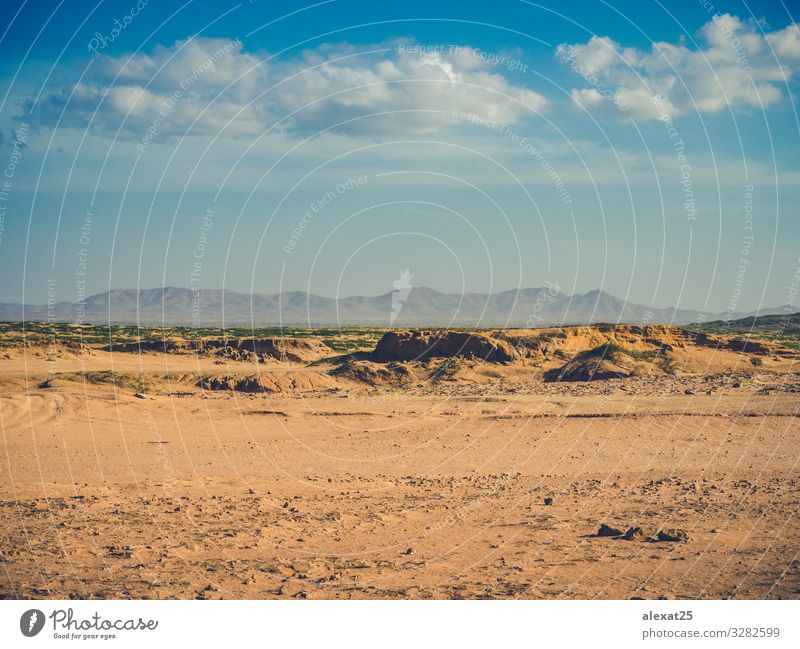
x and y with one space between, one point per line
152 475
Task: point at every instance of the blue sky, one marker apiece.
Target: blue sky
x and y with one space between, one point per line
650 150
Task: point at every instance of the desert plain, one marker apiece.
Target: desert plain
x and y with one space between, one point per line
595 462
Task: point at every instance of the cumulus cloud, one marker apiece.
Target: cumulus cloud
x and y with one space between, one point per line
208 85
739 66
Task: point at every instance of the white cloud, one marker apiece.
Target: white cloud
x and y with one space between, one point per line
786 42
737 68
166 91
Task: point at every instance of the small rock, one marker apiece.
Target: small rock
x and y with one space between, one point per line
634 533
607 530
673 535
688 391
548 501
409 551
139 395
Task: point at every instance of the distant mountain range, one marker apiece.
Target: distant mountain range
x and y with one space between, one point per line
530 307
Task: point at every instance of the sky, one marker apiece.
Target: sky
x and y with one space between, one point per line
647 149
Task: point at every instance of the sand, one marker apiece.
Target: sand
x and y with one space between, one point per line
331 488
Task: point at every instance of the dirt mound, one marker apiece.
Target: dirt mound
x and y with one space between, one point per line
270 382
592 369
423 345
607 361
295 350
375 374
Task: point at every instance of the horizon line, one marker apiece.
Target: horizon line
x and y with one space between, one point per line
599 291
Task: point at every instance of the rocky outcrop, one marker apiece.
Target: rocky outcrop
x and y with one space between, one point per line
165 346
749 346
267 382
375 374
295 350
423 345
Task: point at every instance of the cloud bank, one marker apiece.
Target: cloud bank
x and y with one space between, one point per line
741 66
209 86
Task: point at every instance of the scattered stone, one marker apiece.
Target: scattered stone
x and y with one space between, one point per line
409 551
139 395
548 501
119 551
673 535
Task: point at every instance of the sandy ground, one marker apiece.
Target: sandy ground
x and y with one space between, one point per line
424 492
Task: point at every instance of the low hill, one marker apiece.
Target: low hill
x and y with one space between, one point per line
784 324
